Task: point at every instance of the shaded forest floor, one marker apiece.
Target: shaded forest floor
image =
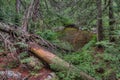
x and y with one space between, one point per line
17 71
26 69
21 63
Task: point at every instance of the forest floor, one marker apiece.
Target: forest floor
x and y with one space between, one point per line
23 71
14 71
11 69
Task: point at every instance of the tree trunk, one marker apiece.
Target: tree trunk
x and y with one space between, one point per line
99 21
1 11
17 20
111 21
18 6
36 10
27 15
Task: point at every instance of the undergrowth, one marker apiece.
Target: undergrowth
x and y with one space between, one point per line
100 65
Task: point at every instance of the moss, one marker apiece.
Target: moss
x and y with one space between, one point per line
77 38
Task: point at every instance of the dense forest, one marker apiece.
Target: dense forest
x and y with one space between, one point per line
59 40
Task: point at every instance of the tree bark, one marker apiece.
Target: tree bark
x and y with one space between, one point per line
16 19
99 20
18 6
27 15
36 10
111 21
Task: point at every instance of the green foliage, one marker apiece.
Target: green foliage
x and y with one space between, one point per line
113 58
23 55
12 64
90 43
109 47
21 45
53 13
111 55
31 62
82 60
66 21
1 50
26 60
48 35
65 45
67 75
53 37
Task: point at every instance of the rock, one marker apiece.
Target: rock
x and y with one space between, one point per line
10 74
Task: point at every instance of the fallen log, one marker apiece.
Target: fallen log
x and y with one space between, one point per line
47 56
50 58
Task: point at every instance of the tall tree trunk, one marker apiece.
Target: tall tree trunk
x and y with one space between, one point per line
36 10
1 12
111 21
31 12
16 20
28 13
17 6
99 21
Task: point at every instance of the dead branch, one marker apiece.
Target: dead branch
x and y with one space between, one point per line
47 56
18 35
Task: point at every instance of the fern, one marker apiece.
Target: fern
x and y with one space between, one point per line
90 44
22 45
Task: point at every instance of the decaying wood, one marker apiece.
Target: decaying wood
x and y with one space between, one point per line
19 34
37 48
50 58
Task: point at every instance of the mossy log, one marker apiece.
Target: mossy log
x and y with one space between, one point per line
50 58
77 38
